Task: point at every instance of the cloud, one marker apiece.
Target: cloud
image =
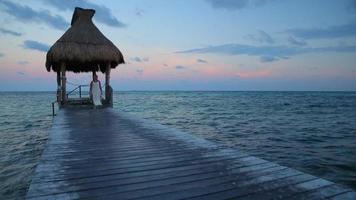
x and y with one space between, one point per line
294 41
165 65
22 62
261 37
236 4
103 13
139 59
139 71
199 60
27 14
267 53
21 73
353 5
179 67
265 59
241 49
339 31
9 32
339 49
1 55
34 45
139 12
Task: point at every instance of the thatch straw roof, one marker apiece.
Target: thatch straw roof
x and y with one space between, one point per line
83 48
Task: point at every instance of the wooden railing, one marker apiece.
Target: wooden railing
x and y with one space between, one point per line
53 109
79 89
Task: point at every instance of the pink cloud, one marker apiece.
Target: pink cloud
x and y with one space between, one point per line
253 74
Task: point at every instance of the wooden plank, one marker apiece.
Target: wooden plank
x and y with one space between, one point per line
322 192
219 190
55 176
97 170
304 189
346 195
135 190
133 179
121 168
269 190
102 154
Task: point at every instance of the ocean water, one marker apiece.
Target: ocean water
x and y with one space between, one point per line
314 132
25 119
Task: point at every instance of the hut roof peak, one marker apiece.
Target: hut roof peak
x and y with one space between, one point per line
81 13
83 48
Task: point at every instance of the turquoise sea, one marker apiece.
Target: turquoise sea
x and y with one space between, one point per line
314 132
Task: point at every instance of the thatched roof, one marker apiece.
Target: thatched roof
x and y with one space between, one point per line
83 48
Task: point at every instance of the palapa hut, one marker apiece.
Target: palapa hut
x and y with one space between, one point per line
83 48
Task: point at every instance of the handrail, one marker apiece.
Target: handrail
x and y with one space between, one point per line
79 87
76 88
53 111
72 90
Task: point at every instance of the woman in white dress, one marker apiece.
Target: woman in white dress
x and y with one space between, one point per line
95 91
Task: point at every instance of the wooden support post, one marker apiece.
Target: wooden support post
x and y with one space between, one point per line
59 86
92 76
108 89
53 113
107 75
63 83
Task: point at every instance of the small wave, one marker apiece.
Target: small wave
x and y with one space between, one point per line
213 124
314 105
28 125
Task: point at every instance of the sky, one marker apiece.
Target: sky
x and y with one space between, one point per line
215 45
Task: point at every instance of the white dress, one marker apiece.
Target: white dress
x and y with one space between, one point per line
96 93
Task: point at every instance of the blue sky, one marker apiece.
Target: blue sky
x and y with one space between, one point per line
192 44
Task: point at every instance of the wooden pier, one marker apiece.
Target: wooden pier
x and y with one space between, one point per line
105 154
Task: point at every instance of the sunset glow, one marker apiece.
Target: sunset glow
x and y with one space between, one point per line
192 45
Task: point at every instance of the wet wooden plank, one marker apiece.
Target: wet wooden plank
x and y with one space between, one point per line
49 175
322 192
346 195
103 154
217 169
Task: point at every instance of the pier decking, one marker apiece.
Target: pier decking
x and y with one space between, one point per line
104 154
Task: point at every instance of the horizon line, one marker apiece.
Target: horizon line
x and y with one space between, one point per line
53 91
